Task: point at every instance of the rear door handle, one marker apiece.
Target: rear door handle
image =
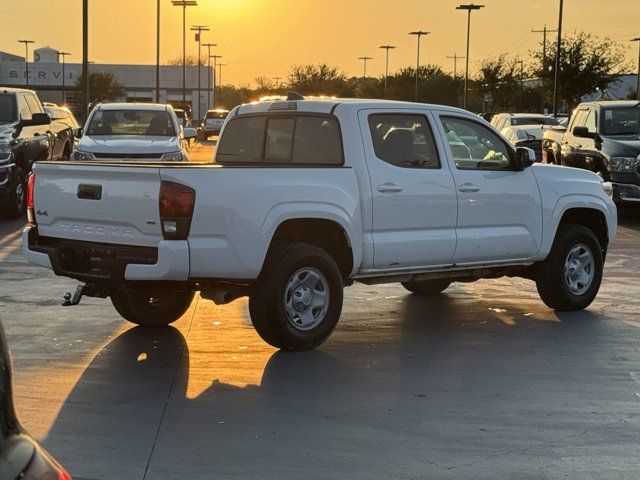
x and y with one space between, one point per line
468 188
389 187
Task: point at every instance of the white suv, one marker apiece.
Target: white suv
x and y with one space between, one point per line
133 132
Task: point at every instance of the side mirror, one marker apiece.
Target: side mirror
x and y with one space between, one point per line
37 119
77 132
583 132
190 133
525 157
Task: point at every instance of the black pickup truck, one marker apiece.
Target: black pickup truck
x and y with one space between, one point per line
604 137
25 137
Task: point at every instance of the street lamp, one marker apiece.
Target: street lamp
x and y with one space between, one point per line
85 59
63 55
199 29
419 34
26 57
521 62
158 51
184 4
386 69
215 72
556 74
364 76
220 65
209 45
469 7
637 39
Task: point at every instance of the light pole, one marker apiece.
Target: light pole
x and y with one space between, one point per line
199 29
469 7
215 73
364 76
556 74
85 59
419 34
158 51
209 45
220 65
386 68
544 32
637 39
26 58
184 4
63 55
521 62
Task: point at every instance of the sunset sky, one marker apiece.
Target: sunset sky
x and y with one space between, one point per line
265 37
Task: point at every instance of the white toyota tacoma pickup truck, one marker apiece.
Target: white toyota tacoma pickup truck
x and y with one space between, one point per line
306 197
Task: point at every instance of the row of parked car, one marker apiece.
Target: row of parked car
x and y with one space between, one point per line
603 137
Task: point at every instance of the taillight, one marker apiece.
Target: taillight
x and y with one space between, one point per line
176 210
31 215
63 475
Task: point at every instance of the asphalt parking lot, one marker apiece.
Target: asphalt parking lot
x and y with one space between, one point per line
482 382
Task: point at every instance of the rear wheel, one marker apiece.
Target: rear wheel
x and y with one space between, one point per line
16 203
152 308
297 300
427 287
570 277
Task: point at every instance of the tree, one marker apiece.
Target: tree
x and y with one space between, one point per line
189 61
434 85
587 62
499 82
320 79
103 86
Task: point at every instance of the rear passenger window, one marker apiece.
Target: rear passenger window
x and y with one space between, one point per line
404 140
295 140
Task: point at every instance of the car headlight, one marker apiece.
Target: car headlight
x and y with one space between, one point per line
83 156
172 157
608 188
623 164
5 150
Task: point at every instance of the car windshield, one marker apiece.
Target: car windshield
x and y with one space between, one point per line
132 122
622 121
218 115
7 108
534 121
530 133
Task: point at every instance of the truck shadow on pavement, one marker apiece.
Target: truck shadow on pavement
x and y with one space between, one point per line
443 385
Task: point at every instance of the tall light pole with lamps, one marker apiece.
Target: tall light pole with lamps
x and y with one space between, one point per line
199 29
556 74
419 34
364 76
220 65
386 68
184 4
26 58
209 45
64 96
469 8
215 73
637 39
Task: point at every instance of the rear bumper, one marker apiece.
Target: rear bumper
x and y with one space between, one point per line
107 263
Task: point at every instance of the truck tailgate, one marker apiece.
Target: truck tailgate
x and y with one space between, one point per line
98 203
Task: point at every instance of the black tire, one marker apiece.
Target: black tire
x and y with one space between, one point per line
552 278
427 287
267 299
151 308
16 203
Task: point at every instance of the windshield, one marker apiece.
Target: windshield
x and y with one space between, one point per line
622 121
7 108
534 121
132 122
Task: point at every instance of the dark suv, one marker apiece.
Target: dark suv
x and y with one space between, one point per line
25 137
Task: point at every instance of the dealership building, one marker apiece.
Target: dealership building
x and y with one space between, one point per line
56 82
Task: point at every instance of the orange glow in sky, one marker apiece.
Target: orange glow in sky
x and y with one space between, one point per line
265 37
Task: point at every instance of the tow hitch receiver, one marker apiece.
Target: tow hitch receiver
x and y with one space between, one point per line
81 291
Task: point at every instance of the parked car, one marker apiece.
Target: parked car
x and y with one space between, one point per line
552 144
21 458
25 137
526 136
133 131
63 126
309 196
212 122
604 137
504 120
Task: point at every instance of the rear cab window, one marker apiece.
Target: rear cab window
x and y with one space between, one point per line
297 140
